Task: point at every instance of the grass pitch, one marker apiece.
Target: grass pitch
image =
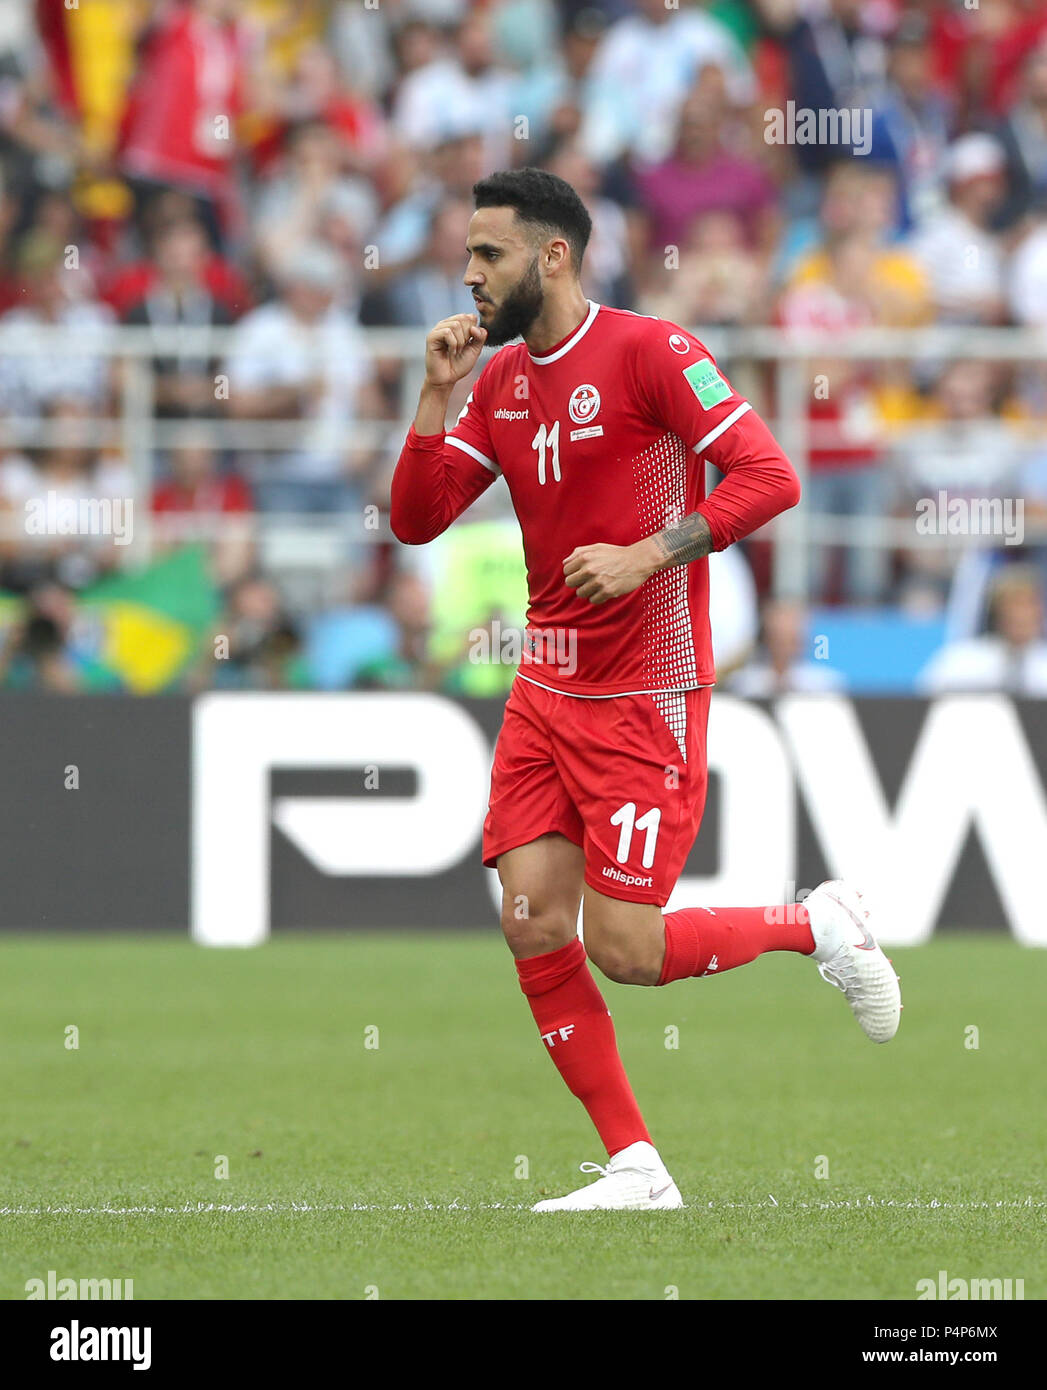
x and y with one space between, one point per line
404 1170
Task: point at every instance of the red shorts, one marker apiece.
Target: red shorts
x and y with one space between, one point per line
623 777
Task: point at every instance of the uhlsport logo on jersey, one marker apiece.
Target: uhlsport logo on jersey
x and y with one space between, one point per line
584 404
679 344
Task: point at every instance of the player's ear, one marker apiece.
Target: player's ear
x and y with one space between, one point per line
555 255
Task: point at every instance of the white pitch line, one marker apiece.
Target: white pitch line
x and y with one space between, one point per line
296 1208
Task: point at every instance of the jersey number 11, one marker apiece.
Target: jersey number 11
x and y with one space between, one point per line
548 439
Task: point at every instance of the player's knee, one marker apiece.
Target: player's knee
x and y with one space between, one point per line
625 943
533 931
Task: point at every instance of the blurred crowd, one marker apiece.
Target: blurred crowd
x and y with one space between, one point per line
297 172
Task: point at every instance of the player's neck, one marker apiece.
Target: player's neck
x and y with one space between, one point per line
557 321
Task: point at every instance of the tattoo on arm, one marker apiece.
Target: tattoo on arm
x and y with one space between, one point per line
685 540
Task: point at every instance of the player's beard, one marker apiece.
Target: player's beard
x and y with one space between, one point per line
518 310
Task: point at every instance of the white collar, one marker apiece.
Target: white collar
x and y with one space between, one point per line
578 334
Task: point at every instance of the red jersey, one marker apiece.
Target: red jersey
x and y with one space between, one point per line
228 493
602 439
191 75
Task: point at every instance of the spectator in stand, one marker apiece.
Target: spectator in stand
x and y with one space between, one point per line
460 87
180 125
606 271
179 298
427 179
198 501
979 50
1027 274
132 280
641 73
39 652
1023 135
355 630
1011 657
299 203
365 42
40 144
527 35
718 281
316 91
10 215
858 211
783 664
409 666
53 221
850 283
434 289
59 474
262 642
301 357
961 445
961 448
957 246
563 117
58 297
912 122
704 174
836 58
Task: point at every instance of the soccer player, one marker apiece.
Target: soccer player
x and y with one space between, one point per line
601 422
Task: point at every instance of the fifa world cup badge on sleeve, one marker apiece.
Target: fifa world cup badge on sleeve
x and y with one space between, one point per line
706 383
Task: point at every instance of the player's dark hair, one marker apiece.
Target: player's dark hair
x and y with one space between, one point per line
547 203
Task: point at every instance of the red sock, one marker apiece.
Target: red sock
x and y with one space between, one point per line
577 1029
708 940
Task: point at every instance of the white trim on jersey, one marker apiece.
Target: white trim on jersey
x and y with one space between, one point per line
474 453
736 414
616 694
575 337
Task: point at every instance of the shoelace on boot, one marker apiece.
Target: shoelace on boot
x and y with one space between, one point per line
840 971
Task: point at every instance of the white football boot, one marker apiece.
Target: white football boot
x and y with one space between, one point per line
635 1179
849 958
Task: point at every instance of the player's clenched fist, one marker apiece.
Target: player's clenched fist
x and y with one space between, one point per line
451 349
600 572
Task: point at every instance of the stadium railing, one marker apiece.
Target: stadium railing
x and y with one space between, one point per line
140 437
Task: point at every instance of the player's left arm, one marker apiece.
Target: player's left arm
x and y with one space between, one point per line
692 398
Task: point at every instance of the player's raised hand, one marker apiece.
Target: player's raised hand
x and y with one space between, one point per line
602 572
452 347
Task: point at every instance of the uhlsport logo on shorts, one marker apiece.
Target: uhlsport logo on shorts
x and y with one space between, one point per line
629 880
